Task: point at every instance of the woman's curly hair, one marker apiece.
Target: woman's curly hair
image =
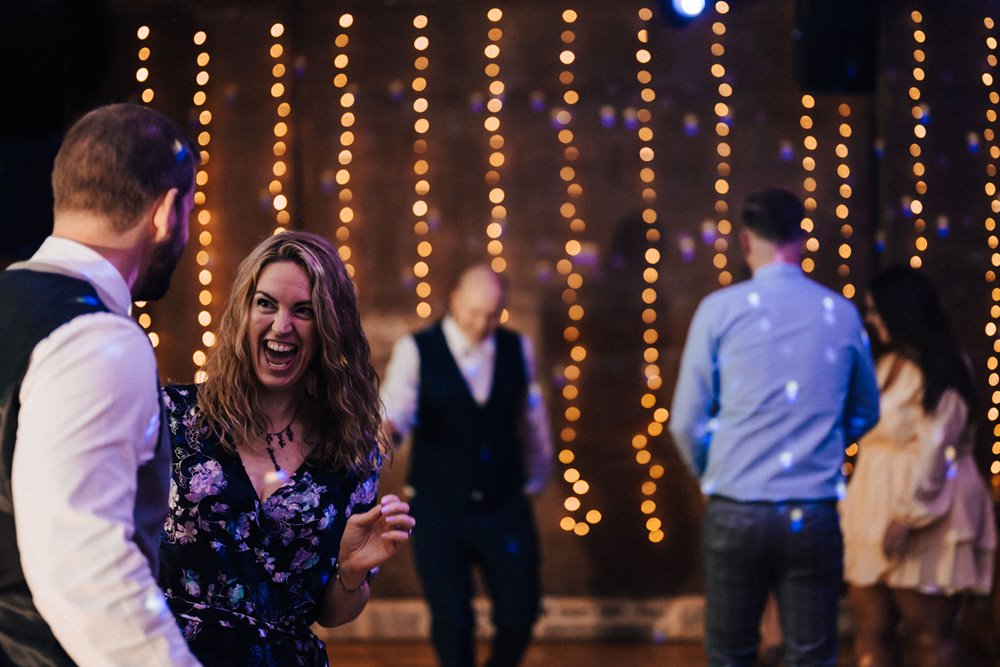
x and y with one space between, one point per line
339 405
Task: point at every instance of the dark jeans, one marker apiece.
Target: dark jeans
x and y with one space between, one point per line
792 548
501 540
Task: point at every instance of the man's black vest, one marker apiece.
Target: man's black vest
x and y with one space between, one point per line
32 305
463 451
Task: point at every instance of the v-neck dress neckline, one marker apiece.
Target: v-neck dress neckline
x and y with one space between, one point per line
245 577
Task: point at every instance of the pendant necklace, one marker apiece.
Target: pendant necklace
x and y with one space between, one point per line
280 436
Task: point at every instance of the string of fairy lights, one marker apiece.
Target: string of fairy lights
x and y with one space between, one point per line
990 189
341 81
279 167
723 114
203 214
650 400
421 167
919 112
569 211
843 209
580 519
142 73
809 147
496 228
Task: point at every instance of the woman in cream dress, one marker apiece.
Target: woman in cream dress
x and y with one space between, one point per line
917 520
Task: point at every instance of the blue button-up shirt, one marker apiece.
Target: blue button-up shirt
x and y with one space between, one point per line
776 377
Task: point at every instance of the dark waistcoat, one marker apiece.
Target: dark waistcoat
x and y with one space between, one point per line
33 304
463 451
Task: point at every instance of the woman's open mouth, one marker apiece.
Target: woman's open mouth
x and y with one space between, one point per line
279 356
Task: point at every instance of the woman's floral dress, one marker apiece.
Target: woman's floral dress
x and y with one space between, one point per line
244 578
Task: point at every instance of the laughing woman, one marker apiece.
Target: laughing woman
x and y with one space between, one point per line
273 523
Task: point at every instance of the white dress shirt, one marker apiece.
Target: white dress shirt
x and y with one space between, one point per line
89 418
401 387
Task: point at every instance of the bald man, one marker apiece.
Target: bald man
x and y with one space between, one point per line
465 389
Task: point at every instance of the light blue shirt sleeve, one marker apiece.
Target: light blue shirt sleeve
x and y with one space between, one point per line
696 396
861 407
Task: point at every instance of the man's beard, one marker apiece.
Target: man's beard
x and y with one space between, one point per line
154 281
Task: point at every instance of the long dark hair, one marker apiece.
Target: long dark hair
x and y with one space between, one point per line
919 329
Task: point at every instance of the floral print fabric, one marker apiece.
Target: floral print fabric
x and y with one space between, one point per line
246 578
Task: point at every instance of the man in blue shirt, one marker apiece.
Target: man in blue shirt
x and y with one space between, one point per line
776 378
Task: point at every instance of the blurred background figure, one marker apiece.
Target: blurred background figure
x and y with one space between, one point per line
466 388
775 379
918 520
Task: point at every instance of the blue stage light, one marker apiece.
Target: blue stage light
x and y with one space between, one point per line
689 8
679 13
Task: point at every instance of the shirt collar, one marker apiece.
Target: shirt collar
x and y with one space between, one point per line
777 269
80 261
459 342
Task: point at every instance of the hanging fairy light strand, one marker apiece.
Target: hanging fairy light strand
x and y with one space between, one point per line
563 119
421 167
142 71
993 241
203 214
843 210
809 146
497 227
919 112
279 168
341 81
650 400
147 94
723 115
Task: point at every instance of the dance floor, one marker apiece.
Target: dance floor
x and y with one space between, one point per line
548 654
543 654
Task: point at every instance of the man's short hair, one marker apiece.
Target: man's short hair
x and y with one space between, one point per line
118 159
774 214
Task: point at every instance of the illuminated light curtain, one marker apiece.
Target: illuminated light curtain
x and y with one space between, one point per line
809 145
421 169
843 211
563 120
650 400
845 251
341 81
147 94
497 227
920 118
723 126
279 168
990 189
202 214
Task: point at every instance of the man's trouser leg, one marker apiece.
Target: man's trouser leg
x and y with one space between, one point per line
445 570
737 578
506 545
809 585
